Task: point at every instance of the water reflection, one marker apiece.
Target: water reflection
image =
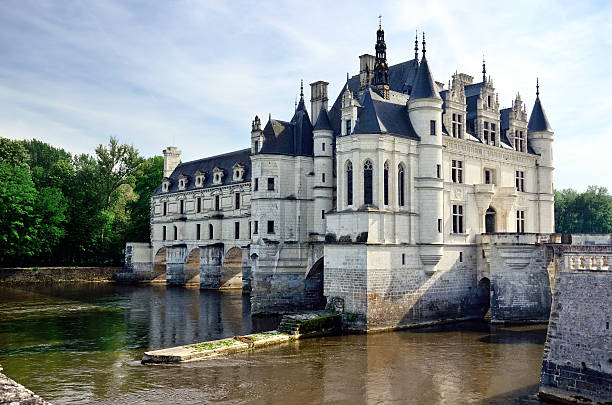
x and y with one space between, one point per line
81 344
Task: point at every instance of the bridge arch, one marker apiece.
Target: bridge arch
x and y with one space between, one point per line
231 270
313 286
484 297
159 266
192 267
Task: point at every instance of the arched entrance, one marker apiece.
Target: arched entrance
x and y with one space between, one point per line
490 220
484 297
159 266
313 287
192 267
231 271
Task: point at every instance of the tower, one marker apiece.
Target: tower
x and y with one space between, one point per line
540 138
172 158
425 111
323 168
381 69
318 98
256 135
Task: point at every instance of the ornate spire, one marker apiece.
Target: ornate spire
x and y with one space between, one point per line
381 69
416 45
484 70
423 44
380 22
301 88
537 88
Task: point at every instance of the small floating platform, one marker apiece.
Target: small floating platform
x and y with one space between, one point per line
292 327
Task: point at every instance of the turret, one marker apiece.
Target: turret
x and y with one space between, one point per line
425 112
540 138
381 68
318 98
323 168
256 135
172 158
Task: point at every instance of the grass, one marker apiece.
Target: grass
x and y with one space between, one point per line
200 347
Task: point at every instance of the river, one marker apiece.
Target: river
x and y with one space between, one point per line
81 343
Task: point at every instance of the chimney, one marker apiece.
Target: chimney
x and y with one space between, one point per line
366 70
172 158
318 99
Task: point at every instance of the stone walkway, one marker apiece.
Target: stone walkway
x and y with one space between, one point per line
16 394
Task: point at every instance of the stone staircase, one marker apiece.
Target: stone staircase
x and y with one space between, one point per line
317 323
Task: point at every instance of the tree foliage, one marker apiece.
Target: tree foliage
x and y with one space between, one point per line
63 209
588 212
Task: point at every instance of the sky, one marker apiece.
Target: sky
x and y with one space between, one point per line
194 73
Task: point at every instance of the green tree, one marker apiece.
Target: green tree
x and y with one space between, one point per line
588 212
13 153
147 178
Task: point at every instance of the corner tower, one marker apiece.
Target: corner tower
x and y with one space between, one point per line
540 138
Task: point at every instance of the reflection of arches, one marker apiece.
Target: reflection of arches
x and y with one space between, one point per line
159 266
192 267
490 220
231 271
313 287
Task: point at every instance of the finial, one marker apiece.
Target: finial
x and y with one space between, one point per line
295 106
484 70
416 44
423 44
379 22
347 76
537 87
269 116
301 88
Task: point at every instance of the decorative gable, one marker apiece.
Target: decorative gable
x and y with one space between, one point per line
183 180
166 184
199 178
218 174
238 172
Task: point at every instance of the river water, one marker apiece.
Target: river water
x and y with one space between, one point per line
81 343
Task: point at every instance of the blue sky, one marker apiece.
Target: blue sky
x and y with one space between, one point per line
195 73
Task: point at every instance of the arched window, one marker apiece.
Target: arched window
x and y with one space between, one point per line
386 183
367 182
210 231
400 185
349 183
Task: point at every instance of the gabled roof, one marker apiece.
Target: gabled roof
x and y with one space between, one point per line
424 86
322 121
381 116
289 138
206 166
537 120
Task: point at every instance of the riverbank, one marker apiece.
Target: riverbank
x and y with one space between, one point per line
56 274
11 392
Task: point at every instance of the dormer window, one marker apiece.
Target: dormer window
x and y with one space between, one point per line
218 174
165 184
182 182
199 178
238 172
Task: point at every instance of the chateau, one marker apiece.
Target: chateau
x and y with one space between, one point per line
406 201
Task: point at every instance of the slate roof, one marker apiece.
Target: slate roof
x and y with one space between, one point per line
537 119
424 86
322 121
225 161
293 138
380 116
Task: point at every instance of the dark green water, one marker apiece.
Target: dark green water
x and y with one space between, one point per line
81 343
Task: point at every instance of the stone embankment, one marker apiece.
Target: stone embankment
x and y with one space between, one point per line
292 327
56 274
14 393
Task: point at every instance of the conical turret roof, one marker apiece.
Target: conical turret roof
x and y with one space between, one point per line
322 123
424 86
537 120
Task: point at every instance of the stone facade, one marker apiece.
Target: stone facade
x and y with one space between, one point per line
378 202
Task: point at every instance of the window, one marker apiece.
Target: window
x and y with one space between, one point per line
489 101
270 226
457 171
199 205
165 208
182 206
349 183
403 259
493 129
460 256
217 202
210 231
236 230
323 146
175 233
348 127
439 225
487 177
367 182
519 141
438 171
256 185
270 183
322 214
486 132
164 232
198 229
457 125
386 183
322 177
520 221
457 218
256 146
520 180
255 227
432 127
400 185
237 200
